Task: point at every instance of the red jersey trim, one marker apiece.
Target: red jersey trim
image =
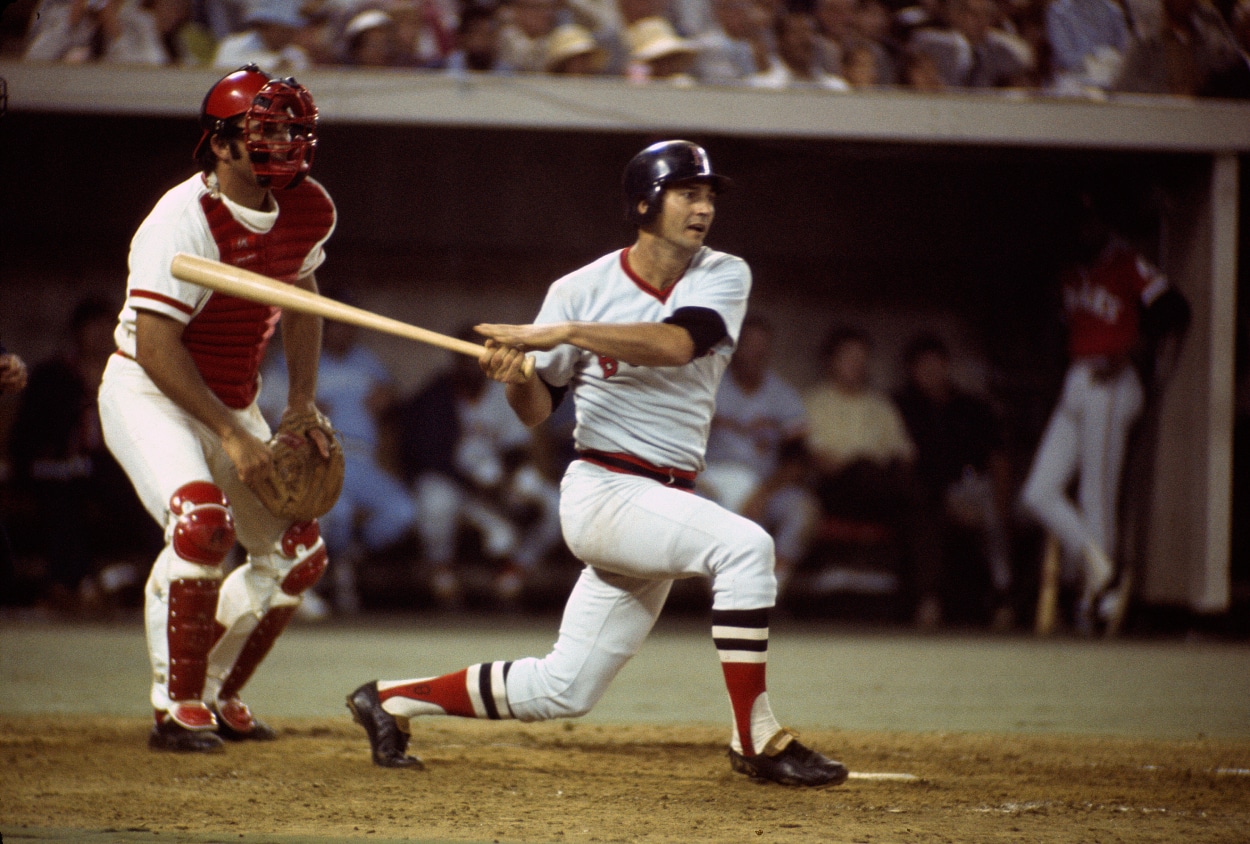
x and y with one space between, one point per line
163 299
644 285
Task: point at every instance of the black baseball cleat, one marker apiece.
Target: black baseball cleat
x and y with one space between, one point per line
387 739
235 722
172 736
788 762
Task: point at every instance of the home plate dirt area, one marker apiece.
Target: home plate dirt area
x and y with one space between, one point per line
92 778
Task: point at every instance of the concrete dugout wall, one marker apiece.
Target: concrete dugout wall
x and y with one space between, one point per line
460 200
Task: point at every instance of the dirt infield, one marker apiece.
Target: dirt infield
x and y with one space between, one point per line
561 782
1011 739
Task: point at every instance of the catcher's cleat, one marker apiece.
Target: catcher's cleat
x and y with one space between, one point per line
788 762
387 739
172 736
235 722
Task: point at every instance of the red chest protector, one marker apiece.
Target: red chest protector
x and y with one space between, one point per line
228 337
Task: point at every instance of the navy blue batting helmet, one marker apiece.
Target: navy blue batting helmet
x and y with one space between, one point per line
660 165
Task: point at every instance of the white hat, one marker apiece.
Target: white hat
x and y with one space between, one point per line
571 40
366 20
651 38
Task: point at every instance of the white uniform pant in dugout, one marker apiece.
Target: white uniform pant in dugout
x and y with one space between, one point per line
1086 438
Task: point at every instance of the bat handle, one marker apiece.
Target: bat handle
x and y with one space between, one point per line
527 368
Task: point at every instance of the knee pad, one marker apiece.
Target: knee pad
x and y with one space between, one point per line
302 543
202 528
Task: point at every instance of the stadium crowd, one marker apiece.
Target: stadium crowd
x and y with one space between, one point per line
1082 48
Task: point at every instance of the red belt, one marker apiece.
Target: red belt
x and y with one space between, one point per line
630 465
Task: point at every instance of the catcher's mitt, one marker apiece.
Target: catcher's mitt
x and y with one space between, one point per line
302 484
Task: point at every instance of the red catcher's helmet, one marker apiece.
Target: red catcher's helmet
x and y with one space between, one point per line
279 126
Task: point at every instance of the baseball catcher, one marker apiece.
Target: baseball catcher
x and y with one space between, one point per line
178 409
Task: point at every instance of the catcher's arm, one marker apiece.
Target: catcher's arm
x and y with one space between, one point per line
301 341
159 350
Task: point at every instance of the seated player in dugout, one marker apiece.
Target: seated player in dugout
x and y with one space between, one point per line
640 338
178 405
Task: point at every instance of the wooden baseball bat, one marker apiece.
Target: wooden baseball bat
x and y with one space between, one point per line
255 287
1048 591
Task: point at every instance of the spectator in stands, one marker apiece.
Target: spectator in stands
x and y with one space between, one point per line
375 511
972 51
477 43
874 24
657 52
796 63
961 461
85 509
275 37
756 452
149 32
923 14
470 461
524 31
860 67
1087 40
1192 53
835 30
864 463
846 30
736 44
371 39
573 51
426 30
918 71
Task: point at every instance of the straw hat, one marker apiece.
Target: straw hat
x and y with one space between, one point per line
571 40
652 38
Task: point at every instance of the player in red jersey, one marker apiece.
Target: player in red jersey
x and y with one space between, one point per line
1108 298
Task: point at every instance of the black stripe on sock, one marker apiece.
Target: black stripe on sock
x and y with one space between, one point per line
741 618
741 644
483 687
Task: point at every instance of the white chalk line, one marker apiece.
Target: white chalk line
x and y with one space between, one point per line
882 776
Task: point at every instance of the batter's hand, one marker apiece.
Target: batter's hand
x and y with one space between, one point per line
12 374
525 337
250 455
504 364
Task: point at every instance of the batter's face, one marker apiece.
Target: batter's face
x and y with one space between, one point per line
686 214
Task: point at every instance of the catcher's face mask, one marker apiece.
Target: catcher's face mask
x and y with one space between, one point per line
275 118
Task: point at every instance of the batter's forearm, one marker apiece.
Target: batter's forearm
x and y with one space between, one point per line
637 343
531 401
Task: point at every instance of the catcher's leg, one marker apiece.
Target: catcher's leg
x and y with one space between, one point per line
181 596
257 602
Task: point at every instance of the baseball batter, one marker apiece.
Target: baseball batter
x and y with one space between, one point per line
1105 300
640 338
178 408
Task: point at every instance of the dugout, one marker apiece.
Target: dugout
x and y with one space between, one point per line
461 198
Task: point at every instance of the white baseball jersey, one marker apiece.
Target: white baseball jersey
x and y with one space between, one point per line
658 414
